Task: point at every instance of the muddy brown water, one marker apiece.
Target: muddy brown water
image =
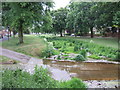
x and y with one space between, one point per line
87 70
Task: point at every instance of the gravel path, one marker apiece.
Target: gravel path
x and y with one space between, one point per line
14 55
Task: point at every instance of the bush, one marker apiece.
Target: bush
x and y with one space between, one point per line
40 79
79 58
83 53
59 58
53 43
70 44
47 53
22 79
73 83
117 57
76 48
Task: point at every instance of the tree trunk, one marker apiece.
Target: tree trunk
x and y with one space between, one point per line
13 33
20 33
91 29
61 34
10 33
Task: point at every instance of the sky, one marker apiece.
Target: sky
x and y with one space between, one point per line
60 3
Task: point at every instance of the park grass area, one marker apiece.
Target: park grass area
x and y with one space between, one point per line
106 42
4 59
33 45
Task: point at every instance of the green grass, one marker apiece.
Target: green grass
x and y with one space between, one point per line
33 45
106 42
6 59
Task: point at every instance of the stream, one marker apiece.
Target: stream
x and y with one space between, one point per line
87 70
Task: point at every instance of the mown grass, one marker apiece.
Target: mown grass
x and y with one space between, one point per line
33 45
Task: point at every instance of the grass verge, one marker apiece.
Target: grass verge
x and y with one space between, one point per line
33 45
4 59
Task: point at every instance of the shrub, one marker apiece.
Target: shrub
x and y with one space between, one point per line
53 43
70 44
79 58
83 53
73 83
59 58
117 57
40 79
47 53
22 79
76 48
63 49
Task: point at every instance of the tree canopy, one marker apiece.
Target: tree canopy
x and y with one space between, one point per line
24 15
78 17
59 20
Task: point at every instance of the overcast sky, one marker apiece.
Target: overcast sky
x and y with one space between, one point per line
60 3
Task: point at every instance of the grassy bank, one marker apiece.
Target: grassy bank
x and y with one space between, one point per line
33 45
75 45
4 59
106 42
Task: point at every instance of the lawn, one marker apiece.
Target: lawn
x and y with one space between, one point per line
33 45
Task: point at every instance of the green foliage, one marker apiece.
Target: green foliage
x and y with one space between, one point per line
40 79
70 44
117 57
117 19
58 17
59 58
79 58
48 52
43 79
83 52
73 83
22 79
94 56
76 48
24 15
83 16
93 48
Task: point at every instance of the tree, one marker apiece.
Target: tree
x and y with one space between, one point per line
83 16
116 19
23 15
59 20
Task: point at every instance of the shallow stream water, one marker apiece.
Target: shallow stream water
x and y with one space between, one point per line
87 70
